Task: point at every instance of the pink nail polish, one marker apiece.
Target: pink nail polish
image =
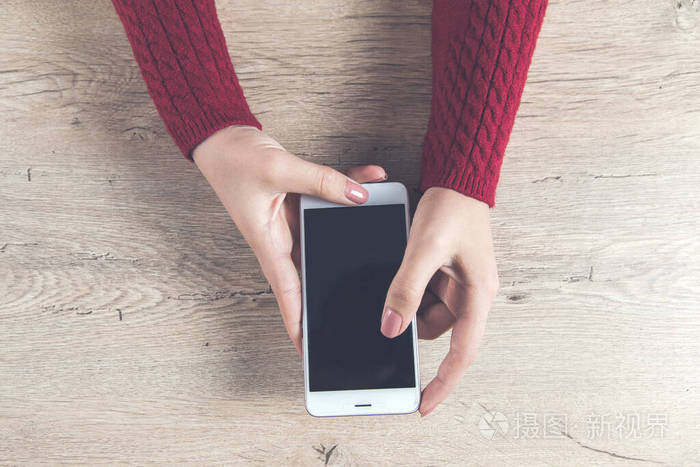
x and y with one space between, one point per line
355 193
391 323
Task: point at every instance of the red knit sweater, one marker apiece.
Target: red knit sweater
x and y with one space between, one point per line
481 51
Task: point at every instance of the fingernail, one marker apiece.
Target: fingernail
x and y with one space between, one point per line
354 192
391 323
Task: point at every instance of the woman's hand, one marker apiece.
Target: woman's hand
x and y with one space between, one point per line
259 183
448 276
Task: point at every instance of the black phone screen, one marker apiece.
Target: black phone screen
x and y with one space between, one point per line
351 256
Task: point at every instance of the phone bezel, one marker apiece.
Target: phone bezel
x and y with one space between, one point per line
345 402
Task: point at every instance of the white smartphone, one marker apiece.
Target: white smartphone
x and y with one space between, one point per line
349 256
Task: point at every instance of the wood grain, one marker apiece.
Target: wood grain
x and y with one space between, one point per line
136 327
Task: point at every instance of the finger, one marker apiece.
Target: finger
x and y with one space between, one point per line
361 174
407 288
284 280
466 335
300 176
429 299
296 256
291 215
434 321
367 173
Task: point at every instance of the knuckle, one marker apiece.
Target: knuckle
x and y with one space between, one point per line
488 282
440 241
291 290
463 359
466 360
433 242
275 167
442 379
325 178
404 293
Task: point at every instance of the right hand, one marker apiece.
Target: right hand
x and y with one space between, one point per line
259 183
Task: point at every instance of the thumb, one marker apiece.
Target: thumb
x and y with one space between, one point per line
407 289
323 182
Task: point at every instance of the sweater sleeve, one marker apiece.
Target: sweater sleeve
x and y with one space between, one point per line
481 52
182 54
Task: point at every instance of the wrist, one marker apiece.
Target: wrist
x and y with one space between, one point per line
439 194
221 141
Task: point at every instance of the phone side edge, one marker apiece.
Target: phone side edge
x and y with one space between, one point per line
304 346
414 321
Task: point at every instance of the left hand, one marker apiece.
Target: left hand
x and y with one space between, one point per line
259 183
449 278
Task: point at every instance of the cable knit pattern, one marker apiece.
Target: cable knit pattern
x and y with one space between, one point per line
481 53
182 54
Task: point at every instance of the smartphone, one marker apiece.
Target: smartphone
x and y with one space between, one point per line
349 256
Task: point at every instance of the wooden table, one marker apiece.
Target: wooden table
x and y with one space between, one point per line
136 326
